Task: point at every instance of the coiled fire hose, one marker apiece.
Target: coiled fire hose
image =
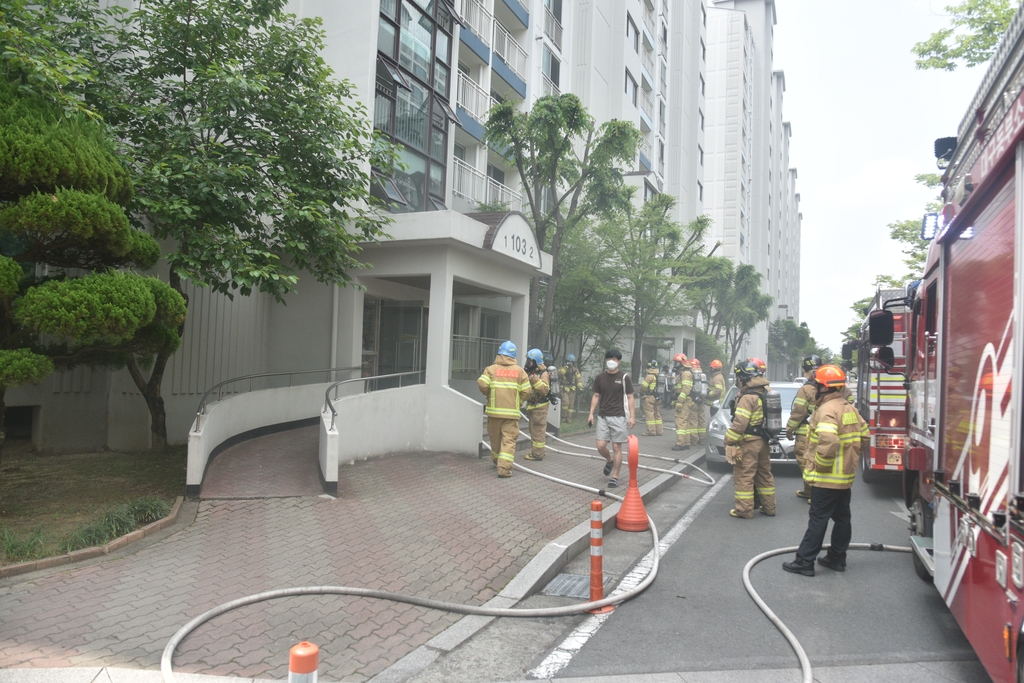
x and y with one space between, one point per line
166 659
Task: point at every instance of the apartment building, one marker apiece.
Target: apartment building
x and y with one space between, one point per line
751 188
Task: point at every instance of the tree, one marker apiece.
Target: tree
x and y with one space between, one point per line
975 29
655 260
730 302
708 348
570 171
62 193
788 343
249 186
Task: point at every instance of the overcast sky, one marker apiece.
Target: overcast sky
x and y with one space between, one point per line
864 122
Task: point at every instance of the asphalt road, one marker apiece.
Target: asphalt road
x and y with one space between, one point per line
698 617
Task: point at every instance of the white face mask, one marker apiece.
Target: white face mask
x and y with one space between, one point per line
611 364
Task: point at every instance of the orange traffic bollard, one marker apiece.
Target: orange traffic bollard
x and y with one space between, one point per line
597 557
632 515
303 662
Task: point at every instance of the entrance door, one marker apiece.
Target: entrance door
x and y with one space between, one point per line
402 341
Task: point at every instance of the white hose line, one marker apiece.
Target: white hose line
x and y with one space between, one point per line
805 663
682 475
166 659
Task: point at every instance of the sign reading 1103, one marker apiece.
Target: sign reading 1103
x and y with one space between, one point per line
513 237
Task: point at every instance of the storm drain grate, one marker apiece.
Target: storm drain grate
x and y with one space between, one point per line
571 586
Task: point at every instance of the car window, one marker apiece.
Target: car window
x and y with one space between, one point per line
788 394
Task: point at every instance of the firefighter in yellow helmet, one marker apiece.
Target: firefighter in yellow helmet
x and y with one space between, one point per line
746 444
699 420
837 435
652 407
799 416
683 387
537 406
506 386
571 381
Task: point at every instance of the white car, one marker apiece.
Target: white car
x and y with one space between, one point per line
720 421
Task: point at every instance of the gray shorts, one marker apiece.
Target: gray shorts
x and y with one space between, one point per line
612 428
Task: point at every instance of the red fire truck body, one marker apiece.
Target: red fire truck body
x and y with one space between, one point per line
963 478
881 395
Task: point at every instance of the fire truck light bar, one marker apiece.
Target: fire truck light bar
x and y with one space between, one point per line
930 226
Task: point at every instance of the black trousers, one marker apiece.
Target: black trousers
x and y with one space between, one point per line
827 504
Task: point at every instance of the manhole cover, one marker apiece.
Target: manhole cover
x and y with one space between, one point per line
571 586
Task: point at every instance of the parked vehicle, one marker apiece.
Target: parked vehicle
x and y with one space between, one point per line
714 452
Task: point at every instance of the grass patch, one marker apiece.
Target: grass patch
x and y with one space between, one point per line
51 504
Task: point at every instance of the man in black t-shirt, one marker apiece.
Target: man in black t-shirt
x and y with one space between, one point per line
613 393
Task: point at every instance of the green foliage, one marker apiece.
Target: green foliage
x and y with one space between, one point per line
730 301
10 278
21 547
571 170
708 348
42 149
788 343
122 520
974 32
22 366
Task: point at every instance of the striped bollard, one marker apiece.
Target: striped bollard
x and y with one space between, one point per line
303 662
597 557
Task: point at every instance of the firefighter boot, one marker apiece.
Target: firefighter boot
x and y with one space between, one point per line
797 566
504 467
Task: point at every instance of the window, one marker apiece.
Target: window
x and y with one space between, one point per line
703 15
460 152
661 111
703 51
386 38
630 88
701 85
414 53
661 150
551 66
632 35
701 119
664 75
664 38
700 154
700 197
649 191
495 173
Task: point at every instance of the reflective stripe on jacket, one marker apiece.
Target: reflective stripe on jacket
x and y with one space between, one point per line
803 405
541 386
716 386
684 385
650 383
506 386
749 411
571 377
838 433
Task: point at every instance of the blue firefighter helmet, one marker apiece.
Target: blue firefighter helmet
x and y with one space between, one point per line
549 359
571 358
536 355
507 349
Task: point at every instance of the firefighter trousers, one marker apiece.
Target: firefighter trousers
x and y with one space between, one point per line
754 471
702 423
538 430
827 504
682 433
691 422
652 415
503 433
568 404
804 458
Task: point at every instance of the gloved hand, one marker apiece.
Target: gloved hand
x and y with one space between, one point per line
732 454
790 434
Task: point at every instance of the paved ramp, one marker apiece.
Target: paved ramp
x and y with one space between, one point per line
280 465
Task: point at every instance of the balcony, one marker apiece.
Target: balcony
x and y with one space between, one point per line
549 86
644 149
553 28
506 47
478 19
472 185
648 60
473 98
646 111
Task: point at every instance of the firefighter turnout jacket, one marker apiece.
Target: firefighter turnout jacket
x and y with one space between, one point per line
838 434
649 387
749 413
541 386
684 386
803 405
570 377
716 386
506 386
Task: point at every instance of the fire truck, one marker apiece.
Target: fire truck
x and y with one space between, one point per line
881 394
963 455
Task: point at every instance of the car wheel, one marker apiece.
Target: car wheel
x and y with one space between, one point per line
715 465
868 475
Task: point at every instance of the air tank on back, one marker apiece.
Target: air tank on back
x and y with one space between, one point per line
772 402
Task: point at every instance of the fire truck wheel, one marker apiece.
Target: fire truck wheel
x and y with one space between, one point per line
869 475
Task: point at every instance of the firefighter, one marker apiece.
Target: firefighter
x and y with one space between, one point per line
537 406
652 407
761 365
683 387
700 423
837 435
800 414
506 386
747 445
716 383
571 381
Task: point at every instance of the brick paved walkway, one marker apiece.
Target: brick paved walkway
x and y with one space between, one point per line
439 525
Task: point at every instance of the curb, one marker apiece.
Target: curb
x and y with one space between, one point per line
95 551
535 575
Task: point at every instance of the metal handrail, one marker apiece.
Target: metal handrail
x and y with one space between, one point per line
201 410
334 387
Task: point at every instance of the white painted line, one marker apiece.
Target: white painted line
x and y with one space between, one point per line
560 657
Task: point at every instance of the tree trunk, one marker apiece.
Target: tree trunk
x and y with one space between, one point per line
3 428
534 305
638 347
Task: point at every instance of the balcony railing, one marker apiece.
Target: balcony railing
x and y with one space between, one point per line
549 86
649 19
473 98
648 58
478 19
506 47
553 28
470 355
647 103
475 186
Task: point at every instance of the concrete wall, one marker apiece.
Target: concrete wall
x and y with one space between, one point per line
243 413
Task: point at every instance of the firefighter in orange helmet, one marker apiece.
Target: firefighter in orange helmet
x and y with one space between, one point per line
746 444
837 435
699 421
683 387
761 365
